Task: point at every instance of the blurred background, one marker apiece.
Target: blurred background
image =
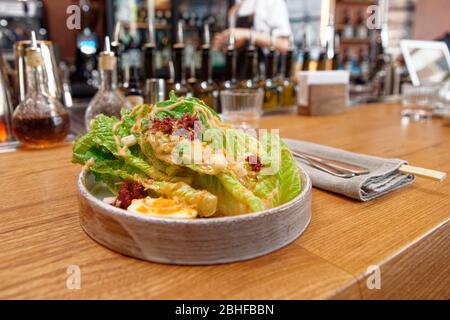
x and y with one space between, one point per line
304 35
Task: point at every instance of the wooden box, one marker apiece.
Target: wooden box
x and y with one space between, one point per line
325 99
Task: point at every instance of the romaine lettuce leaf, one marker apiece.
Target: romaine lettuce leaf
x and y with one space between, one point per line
186 105
283 186
239 192
227 204
204 201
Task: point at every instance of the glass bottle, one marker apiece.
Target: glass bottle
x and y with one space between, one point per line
347 61
134 93
108 100
178 84
268 84
306 54
40 120
364 65
336 57
348 30
361 29
6 105
192 80
230 81
288 93
249 81
116 48
230 65
322 60
206 89
149 53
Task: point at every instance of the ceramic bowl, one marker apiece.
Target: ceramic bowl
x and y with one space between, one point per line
191 242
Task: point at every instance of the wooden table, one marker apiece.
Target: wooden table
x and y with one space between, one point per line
406 233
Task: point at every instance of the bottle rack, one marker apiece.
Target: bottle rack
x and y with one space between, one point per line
354 44
194 14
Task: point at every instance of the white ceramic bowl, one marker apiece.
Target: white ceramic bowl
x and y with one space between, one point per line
192 242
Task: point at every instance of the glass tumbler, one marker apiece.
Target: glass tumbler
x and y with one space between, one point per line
242 108
418 101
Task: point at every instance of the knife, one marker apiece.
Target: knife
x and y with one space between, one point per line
339 166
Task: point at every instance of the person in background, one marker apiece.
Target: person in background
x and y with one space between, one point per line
261 16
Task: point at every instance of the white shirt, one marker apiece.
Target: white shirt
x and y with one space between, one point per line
268 15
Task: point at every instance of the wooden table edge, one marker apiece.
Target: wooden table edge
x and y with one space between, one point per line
387 267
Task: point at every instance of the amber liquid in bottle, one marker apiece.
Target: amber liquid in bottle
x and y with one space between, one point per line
41 131
288 94
268 84
3 130
322 61
306 61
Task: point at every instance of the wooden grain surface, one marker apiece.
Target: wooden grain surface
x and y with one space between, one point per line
405 233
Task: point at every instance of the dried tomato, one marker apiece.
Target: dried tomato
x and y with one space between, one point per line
254 163
187 122
128 192
168 124
165 125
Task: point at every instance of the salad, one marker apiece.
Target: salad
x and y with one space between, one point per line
178 159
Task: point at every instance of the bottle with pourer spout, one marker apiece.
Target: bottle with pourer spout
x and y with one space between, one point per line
40 120
178 81
269 84
206 89
250 81
288 94
108 100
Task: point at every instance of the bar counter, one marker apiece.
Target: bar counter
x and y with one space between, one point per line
405 233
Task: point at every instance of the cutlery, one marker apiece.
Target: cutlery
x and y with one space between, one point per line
325 167
347 170
338 168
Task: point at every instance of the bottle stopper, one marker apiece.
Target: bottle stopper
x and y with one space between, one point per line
206 37
33 53
107 60
151 42
252 39
180 36
231 41
291 42
273 40
151 33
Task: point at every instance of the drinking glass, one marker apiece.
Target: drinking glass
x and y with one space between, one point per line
242 108
418 101
155 91
442 103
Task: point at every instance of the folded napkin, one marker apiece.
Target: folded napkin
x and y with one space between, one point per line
384 176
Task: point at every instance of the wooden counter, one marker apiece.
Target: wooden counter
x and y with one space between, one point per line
406 233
